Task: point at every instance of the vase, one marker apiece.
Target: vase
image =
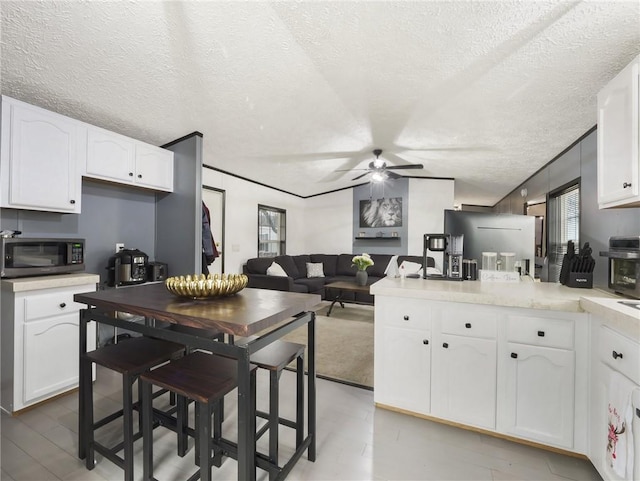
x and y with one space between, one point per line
361 278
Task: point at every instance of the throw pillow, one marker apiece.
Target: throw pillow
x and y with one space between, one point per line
315 269
276 270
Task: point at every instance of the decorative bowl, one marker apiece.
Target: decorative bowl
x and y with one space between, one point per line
199 286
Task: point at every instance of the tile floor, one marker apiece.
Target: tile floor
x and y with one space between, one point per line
356 441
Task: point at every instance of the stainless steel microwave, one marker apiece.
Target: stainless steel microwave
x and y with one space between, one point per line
23 256
624 265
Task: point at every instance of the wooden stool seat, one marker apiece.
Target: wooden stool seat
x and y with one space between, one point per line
277 355
206 379
129 358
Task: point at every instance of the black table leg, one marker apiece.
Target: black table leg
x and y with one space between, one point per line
246 431
311 381
82 384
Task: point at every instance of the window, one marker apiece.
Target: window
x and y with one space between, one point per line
564 226
271 231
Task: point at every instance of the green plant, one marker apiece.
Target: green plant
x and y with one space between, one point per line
362 262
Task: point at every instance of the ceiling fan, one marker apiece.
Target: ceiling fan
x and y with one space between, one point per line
380 171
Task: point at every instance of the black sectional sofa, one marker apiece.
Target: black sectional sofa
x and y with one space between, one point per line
336 267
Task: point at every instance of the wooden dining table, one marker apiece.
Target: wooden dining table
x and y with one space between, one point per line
266 315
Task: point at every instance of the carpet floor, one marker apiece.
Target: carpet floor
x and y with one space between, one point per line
344 343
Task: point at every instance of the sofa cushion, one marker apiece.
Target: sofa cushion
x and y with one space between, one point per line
314 269
328 263
288 265
314 285
258 265
301 264
380 263
344 266
276 269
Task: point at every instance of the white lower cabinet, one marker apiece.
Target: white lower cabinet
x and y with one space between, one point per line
614 416
464 380
402 361
514 371
40 339
539 400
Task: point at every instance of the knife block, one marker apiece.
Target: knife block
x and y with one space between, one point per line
580 279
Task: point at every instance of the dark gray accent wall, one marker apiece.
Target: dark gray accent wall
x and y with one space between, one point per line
387 245
596 225
178 234
110 213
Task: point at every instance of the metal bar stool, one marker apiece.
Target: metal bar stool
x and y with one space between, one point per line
130 358
275 358
206 379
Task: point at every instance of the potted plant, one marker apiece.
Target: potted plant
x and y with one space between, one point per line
362 262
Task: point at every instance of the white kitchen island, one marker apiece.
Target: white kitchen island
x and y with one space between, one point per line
511 359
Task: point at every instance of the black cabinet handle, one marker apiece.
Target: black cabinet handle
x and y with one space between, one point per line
72 201
63 305
139 176
540 333
406 318
425 341
616 355
468 325
130 174
626 184
514 355
445 345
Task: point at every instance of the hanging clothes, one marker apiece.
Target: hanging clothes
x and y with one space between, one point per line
209 250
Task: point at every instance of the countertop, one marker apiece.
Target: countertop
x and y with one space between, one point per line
23 284
524 294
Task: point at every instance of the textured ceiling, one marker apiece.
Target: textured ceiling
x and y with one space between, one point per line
286 93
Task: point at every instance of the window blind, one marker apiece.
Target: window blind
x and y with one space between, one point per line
564 226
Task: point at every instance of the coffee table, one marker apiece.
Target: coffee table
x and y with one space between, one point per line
343 287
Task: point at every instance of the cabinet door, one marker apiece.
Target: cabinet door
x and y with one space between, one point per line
50 356
618 173
403 368
464 380
154 167
110 156
540 394
39 159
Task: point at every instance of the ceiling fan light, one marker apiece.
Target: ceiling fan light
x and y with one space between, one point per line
378 163
377 177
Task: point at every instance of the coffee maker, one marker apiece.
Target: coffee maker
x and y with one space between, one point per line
451 247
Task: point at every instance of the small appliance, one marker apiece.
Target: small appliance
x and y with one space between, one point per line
22 256
127 267
624 265
452 247
157 271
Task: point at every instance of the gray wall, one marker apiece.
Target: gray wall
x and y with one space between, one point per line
596 225
396 188
178 234
110 213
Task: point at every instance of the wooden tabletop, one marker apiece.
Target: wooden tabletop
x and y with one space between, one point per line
348 286
244 314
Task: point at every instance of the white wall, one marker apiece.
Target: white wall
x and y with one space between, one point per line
241 216
329 223
428 198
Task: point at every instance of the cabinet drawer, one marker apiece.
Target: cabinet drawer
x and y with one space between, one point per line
471 321
620 353
401 312
539 331
46 305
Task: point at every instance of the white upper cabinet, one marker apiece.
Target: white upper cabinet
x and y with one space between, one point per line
618 137
154 167
39 159
110 156
116 158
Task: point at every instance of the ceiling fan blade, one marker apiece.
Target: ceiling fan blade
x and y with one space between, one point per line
408 166
360 176
392 175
